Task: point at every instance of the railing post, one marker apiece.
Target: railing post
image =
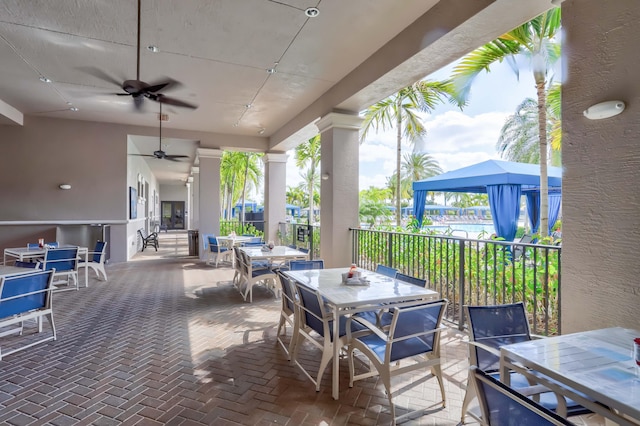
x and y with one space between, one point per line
310 236
389 253
461 286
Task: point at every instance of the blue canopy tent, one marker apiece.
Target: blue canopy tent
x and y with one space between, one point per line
293 210
504 182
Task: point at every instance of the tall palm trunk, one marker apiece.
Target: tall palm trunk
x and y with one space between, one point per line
398 157
244 190
311 184
544 183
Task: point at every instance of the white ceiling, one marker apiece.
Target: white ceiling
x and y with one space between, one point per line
219 50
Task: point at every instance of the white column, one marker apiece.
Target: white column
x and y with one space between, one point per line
275 194
189 206
209 192
195 197
339 186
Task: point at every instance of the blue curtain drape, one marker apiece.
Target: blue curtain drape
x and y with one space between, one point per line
419 201
533 209
504 201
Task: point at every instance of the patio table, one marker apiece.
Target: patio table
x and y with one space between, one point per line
26 253
348 299
12 270
277 253
597 363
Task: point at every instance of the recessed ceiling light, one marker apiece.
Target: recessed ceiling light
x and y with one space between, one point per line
153 49
73 109
272 70
45 79
312 12
247 106
235 124
261 131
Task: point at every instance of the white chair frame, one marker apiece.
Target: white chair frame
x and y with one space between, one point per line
98 267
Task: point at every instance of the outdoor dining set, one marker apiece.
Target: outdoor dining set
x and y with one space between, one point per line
28 277
387 324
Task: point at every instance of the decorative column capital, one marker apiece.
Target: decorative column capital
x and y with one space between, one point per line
339 120
274 157
209 153
195 170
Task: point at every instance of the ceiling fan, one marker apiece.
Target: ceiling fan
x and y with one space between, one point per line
138 89
160 154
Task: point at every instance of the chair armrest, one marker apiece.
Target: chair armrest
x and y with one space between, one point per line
487 348
372 327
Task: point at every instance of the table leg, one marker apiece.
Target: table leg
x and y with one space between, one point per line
505 377
335 380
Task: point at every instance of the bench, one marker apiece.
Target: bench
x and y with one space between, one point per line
148 240
24 297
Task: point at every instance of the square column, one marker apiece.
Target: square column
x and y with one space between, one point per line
209 193
275 194
339 187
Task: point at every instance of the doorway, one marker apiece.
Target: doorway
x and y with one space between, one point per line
173 214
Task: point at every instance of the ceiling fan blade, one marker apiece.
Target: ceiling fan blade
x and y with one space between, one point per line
153 88
98 73
143 155
173 157
176 156
172 101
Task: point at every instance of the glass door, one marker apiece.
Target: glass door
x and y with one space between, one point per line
173 214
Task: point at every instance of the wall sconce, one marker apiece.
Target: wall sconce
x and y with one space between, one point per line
604 110
64 186
325 176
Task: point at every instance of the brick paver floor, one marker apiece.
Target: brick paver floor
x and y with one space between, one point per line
168 340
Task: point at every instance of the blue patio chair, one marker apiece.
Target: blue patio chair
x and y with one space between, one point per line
65 263
386 271
315 320
491 327
24 297
52 244
96 259
205 242
22 264
250 275
33 246
217 250
288 314
414 334
502 405
298 265
413 280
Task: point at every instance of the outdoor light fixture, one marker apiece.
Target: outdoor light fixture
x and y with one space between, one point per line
604 110
64 186
45 79
153 49
261 131
325 176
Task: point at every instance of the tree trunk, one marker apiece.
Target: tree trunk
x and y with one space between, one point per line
244 189
544 182
398 159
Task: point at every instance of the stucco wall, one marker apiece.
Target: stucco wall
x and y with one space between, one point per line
601 196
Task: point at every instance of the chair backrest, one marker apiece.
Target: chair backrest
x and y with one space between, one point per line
99 251
33 246
62 259
252 244
313 309
256 240
421 324
288 293
23 264
495 326
213 243
298 265
25 292
386 270
143 233
501 405
52 244
205 241
413 280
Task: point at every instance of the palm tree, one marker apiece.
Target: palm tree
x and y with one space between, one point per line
519 139
417 166
311 186
401 111
536 40
252 176
308 155
231 166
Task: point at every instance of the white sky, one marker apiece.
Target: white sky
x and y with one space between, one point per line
454 138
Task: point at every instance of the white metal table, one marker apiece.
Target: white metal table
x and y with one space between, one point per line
348 299
596 363
12 270
26 253
277 253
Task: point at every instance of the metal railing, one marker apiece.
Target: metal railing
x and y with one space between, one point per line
291 234
472 272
